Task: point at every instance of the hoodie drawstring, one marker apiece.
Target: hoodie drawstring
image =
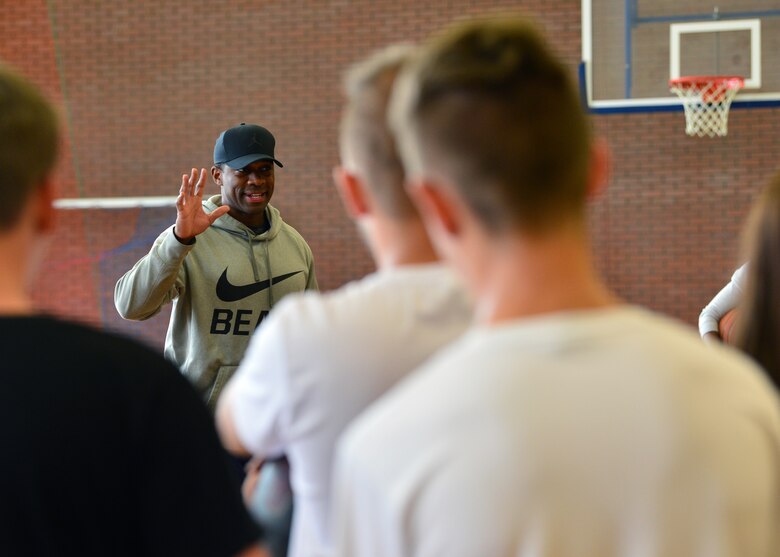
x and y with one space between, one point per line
270 276
255 271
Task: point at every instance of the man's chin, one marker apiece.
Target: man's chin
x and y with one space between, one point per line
253 208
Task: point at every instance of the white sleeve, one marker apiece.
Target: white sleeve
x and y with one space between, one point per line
725 300
257 393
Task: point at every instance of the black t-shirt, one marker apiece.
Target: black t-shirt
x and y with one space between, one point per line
106 450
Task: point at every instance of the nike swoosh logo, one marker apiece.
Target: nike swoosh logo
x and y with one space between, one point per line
230 293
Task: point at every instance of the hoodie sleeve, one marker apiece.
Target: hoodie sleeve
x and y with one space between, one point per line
154 281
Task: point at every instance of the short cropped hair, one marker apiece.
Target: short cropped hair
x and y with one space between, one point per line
489 108
758 324
367 143
28 143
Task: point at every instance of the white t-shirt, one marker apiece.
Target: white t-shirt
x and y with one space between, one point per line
320 359
725 300
599 433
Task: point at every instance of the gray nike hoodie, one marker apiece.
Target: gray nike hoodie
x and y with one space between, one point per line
222 287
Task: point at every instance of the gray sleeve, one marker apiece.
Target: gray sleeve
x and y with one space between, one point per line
154 281
724 301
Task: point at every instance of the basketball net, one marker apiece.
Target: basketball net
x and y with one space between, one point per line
706 101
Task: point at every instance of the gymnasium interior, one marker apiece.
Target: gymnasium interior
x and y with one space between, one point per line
144 88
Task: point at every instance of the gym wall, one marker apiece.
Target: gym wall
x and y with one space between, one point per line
145 87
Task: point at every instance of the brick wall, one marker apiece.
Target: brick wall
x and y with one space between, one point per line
145 87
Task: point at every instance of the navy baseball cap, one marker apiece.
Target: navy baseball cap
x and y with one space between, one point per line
243 145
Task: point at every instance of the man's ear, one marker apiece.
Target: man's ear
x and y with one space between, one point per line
216 175
44 206
437 205
599 169
352 193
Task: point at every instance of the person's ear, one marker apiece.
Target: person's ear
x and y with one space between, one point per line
216 175
352 192
437 206
44 206
599 168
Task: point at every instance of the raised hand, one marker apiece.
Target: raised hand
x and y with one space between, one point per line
191 219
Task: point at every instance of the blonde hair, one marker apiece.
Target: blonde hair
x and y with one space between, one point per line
489 108
367 144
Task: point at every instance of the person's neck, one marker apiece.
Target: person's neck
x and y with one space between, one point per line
397 243
15 307
253 221
524 276
21 250
14 298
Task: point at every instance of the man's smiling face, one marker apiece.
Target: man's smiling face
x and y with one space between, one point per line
247 190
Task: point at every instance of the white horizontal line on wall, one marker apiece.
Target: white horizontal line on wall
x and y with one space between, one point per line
114 202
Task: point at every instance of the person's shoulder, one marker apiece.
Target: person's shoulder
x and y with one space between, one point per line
377 299
80 334
288 230
94 361
657 329
670 338
284 227
305 313
93 346
413 287
424 275
676 346
296 311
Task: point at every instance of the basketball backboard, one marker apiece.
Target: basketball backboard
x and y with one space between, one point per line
631 48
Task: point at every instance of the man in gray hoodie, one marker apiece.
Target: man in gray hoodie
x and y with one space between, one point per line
224 264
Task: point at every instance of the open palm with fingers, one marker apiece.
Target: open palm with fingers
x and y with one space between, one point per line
191 218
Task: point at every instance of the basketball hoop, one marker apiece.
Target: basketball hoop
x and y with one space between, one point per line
706 100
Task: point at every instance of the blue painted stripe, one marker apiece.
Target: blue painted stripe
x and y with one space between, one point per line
704 17
755 104
675 107
634 109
